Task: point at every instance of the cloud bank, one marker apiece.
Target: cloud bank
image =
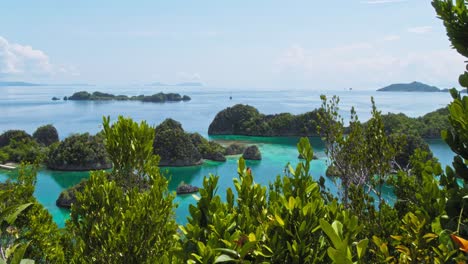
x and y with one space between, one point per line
368 64
23 61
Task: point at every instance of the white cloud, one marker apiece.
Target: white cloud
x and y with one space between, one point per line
368 65
420 30
25 61
374 2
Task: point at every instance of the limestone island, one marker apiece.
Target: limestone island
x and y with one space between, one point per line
155 98
248 121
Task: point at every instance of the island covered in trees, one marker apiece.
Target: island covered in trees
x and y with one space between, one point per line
155 98
411 87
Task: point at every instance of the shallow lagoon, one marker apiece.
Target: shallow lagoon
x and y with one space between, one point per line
276 153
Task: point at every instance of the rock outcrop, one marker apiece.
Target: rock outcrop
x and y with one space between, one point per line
68 197
234 149
252 153
186 189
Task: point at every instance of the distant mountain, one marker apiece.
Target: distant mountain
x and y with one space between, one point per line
410 87
190 84
18 84
42 84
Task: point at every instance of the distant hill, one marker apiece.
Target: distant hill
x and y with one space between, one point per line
190 84
410 87
18 84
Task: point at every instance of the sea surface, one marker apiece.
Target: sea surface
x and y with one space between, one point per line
30 107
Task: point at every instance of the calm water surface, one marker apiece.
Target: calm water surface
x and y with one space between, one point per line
29 107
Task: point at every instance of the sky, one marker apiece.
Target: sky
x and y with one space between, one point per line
261 44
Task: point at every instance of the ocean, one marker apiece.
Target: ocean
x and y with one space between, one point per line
30 107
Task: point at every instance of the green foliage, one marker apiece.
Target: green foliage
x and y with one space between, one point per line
3 157
455 18
79 152
363 156
46 135
130 148
141 228
9 247
255 225
34 225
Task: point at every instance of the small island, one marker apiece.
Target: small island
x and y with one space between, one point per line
155 98
19 84
411 87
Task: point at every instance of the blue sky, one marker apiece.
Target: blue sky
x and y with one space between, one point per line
263 44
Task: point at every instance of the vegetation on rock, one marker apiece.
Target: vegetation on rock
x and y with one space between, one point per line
178 148
46 135
174 146
79 152
234 149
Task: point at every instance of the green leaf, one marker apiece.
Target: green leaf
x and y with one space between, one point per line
330 232
361 247
19 253
291 203
228 251
11 213
279 220
223 258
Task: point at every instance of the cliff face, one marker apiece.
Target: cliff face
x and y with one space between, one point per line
246 120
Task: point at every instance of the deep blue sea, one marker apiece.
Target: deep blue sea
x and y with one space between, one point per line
30 107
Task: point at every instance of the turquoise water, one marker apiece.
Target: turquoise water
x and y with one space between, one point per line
29 107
